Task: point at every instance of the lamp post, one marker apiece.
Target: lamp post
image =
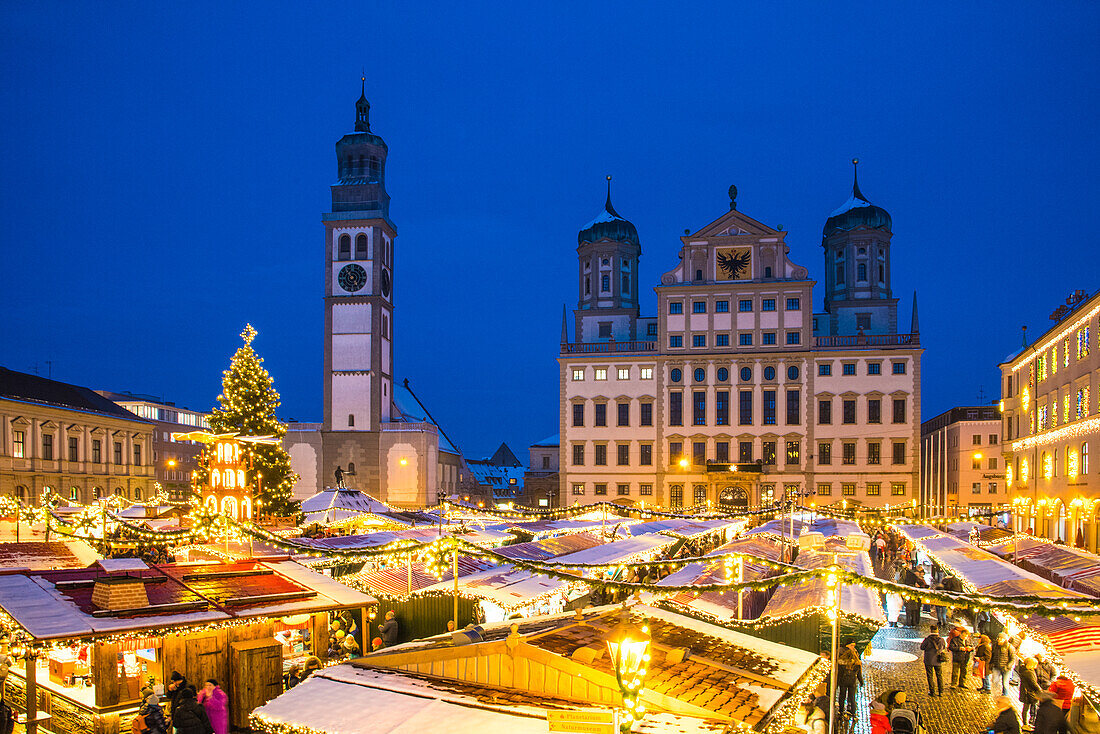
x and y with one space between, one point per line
628 645
832 597
441 496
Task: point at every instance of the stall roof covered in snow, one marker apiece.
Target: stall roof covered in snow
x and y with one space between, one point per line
334 504
58 604
39 556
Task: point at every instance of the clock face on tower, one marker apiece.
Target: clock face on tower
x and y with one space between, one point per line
385 284
352 278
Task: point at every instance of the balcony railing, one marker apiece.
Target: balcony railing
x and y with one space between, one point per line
867 341
608 347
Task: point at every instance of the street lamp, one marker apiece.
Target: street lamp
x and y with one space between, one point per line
628 645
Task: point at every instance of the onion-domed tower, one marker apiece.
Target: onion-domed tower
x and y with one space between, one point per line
856 239
607 258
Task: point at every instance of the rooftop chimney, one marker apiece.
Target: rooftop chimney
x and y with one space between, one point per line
119 592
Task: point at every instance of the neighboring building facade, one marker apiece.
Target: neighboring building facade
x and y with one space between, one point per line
961 468
496 481
173 460
398 453
541 480
736 393
1049 391
70 441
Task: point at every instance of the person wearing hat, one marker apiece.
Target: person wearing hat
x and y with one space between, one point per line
190 716
1002 660
961 649
150 717
176 684
1029 691
880 722
312 665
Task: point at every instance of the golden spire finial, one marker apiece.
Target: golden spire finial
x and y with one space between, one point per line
248 335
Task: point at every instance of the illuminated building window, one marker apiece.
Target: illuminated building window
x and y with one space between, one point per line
1082 343
897 489
1042 367
1065 408
824 490
1048 466
1085 458
1082 403
1072 463
873 489
1065 352
1024 471
1008 475
578 375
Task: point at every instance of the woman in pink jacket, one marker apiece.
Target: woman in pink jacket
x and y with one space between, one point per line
216 704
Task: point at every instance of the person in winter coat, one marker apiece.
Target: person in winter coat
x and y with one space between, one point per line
389 629
216 703
153 714
176 684
982 654
1083 718
932 645
1029 691
1006 720
893 608
1049 717
880 722
961 649
1002 660
1062 689
849 674
190 717
1044 671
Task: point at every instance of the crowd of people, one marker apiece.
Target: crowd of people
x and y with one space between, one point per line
190 711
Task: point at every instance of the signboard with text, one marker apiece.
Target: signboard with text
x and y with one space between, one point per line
582 721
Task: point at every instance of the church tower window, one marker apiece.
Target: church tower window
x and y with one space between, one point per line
345 247
605 283
861 272
361 247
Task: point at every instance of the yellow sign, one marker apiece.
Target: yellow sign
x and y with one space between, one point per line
580 721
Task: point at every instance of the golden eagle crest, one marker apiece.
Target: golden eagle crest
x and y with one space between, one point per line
734 263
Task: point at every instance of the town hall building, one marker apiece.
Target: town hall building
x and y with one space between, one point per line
374 427
736 393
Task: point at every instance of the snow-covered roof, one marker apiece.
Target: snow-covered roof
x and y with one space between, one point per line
334 504
646 546
549 441
854 202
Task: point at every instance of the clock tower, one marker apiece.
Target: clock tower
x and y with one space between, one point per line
359 240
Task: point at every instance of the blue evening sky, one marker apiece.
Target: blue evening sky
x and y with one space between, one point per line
163 168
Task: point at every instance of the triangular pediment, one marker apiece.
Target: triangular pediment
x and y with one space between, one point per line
733 224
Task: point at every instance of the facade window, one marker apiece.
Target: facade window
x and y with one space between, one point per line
74 449
848 490
699 492
848 368
991 463
699 374
699 408
578 375
824 490
651 329
622 489
824 370
624 414
794 412
623 373
899 410
675 340
767 338
578 414
675 375
97 451
874 410
767 304
874 489
647 373
676 496
675 307
646 418
861 272
794 452
863 321
599 454
769 407
721 340
578 489
993 439
605 283
899 452
722 452
976 439
47 447
137 455
897 489
675 452
676 409
746 374
546 462
599 489
993 488
793 304
698 340
849 412
604 330
794 338
118 452
19 444
744 306
825 411
1084 458
721 307
699 453
646 490
622 457
874 368
745 340
578 454
601 415
645 454
825 453
351 420
698 306
792 373
849 448
723 374
874 452
601 373
361 247
345 247
767 453
899 368
744 408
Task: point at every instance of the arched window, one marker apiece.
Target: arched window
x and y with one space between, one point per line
230 482
374 168
676 496
351 420
240 478
700 492
361 247
881 273
97 492
605 283
861 272
74 493
345 247
229 507
1085 458
246 509
351 468
119 492
21 493
698 274
137 493
212 503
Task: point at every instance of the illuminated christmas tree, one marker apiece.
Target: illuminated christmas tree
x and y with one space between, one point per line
247 407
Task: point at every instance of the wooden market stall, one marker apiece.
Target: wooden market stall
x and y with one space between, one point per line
92 638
